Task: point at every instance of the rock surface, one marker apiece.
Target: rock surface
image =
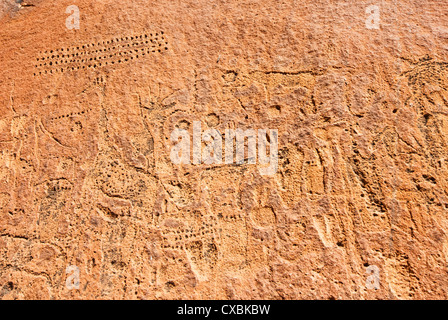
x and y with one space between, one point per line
86 178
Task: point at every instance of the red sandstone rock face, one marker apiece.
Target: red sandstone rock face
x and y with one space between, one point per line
360 103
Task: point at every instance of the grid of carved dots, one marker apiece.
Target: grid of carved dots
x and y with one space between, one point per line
93 55
176 238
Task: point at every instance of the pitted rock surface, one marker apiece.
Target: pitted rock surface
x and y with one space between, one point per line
86 178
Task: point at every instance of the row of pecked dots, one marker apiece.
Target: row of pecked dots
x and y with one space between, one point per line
176 246
125 58
71 114
56 52
51 63
75 55
153 43
99 64
59 53
123 54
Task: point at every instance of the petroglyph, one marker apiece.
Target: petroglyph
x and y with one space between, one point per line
87 181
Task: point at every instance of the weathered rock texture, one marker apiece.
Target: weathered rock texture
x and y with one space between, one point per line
86 177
